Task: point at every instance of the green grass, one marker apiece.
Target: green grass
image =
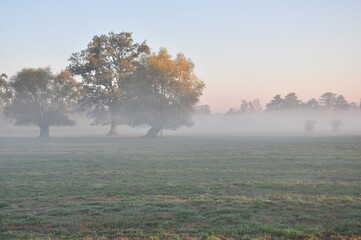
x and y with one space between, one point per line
181 188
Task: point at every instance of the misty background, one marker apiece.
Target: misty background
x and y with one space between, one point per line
265 123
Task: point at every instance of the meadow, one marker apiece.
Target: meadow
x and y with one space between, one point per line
255 187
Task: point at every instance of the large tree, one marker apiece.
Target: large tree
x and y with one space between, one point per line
104 65
43 98
163 92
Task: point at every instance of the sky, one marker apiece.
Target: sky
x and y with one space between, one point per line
241 49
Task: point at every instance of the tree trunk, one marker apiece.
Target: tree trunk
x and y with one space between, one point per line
44 131
113 126
153 132
113 130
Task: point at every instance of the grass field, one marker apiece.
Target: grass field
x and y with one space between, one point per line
181 188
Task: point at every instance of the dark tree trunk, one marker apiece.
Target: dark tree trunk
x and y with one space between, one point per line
113 130
153 132
113 126
44 131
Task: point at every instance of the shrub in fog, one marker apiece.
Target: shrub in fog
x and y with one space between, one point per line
336 124
310 126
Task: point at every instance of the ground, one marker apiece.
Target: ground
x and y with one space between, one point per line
181 188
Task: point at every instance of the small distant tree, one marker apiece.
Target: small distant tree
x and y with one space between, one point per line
310 126
312 104
328 101
275 103
250 106
341 104
162 93
255 106
336 124
104 66
244 106
203 109
42 98
233 111
291 102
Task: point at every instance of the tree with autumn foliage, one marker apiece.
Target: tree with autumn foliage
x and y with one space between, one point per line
43 98
104 66
163 93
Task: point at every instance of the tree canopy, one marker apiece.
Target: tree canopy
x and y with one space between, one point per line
43 98
104 65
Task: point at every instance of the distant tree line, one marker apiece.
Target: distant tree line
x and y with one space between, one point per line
121 82
326 102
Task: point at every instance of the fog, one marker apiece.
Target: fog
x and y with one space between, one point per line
277 123
265 123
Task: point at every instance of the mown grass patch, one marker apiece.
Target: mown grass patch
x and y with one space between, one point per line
181 188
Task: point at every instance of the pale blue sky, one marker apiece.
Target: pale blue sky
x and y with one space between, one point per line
242 49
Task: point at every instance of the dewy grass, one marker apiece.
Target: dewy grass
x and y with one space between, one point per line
180 188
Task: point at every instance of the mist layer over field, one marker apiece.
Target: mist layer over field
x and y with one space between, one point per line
275 123
265 123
